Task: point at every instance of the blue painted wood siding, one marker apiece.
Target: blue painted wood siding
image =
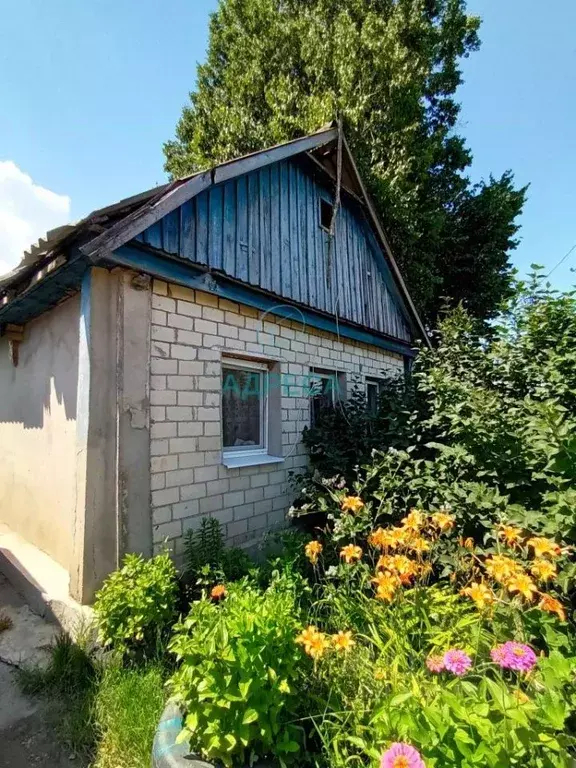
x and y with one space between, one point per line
264 228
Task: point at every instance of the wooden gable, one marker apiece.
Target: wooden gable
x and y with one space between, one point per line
263 228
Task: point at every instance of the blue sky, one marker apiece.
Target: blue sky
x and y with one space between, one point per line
90 89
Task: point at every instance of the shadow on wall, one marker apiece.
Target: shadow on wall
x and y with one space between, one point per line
47 369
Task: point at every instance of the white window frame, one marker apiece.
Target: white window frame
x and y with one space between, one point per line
235 453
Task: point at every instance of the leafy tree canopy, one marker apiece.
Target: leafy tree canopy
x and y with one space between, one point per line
277 69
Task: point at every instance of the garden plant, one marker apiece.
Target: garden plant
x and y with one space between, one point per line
426 617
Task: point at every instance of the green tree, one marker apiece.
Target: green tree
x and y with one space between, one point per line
277 69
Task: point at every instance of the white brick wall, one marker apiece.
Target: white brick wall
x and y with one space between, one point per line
190 332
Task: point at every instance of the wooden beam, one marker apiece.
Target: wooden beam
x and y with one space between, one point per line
384 240
128 228
252 162
193 276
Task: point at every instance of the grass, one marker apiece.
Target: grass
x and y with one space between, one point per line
127 710
70 683
104 712
6 622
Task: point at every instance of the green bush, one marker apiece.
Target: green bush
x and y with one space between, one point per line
137 604
487 425
386 610
237 674
207 558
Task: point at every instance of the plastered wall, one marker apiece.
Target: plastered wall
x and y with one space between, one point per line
38 431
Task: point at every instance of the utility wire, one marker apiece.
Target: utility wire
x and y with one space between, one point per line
563 259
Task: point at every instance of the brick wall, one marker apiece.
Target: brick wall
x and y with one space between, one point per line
190 332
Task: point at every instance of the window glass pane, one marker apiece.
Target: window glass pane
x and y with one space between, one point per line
322 388
241 407
372 396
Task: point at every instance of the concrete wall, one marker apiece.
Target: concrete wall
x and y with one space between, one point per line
112 437
38 401
191 331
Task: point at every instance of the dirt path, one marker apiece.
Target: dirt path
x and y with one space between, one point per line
26 737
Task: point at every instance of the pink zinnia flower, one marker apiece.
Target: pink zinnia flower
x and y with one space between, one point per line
435 663
516 656
498 655
401 756
457 662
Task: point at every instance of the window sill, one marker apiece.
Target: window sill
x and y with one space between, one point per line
250 460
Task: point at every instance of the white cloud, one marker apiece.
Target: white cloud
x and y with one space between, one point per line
27 211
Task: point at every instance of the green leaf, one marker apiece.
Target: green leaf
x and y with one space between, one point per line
250 716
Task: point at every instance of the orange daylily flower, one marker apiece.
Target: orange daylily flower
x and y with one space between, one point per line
480 593
382 539
342 641
443 521
543 570
313 549
386 586
352 504
502 568
351 553
314 642
414 520
510 535
543 547
419 545
399 566
551 605
523 584
218 592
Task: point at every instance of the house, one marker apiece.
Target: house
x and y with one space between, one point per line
159 359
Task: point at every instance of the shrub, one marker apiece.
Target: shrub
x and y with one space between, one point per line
137 604
487 425
382 624
207 558
237 674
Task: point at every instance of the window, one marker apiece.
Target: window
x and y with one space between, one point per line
246 434
373 392
325 390
244 391
325 214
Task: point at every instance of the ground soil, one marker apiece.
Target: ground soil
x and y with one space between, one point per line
27 735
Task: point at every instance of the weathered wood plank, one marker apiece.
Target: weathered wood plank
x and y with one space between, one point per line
171 232
265 233
310 238
285 253
188 230
295 256
153 235
254 228
260 160
242 229
202 228
215 227
275 260
229 236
